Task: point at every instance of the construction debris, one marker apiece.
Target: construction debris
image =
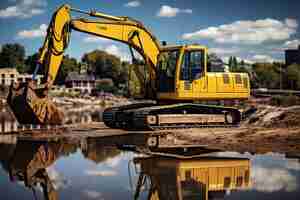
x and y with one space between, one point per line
275 117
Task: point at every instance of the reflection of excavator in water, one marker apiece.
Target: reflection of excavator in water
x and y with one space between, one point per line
28 162
177 78
186 179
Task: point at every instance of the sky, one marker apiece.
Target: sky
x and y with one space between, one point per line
252 30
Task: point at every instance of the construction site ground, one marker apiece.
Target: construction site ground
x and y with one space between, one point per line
270 129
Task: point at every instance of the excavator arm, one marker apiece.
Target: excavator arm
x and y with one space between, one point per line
30 103
122 29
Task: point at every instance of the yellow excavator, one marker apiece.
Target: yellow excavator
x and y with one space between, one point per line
178 79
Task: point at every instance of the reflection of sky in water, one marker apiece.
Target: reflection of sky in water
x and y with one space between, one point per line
76 177
273 177
107 180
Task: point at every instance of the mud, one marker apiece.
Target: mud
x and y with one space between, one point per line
246 139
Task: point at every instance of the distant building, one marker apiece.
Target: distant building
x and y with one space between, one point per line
292 56
83 83
9 75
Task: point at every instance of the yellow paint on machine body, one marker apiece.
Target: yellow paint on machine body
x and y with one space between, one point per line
208 85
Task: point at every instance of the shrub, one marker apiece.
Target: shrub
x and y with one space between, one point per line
285 100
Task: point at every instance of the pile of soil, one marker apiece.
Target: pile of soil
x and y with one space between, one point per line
275 117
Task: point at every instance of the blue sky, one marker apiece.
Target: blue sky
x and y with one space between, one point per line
253 30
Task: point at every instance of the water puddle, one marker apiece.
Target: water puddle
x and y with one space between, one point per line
73 116
99 169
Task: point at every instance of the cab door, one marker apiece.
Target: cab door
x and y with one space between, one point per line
192 78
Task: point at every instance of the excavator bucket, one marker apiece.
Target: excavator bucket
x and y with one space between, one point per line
31 105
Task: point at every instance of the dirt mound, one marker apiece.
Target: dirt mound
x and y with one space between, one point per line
271 116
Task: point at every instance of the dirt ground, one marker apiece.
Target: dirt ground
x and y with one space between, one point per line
270 129
245 139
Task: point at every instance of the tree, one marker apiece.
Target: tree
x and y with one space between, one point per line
267 75
68 64
230 63
12 56
242 63
293 76
234 64
105 65
30 64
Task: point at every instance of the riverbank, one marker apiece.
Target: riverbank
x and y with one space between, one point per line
269 129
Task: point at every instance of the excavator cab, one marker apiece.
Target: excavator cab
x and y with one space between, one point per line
184 76
180 65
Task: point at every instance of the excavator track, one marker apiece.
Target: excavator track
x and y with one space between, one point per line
175 116
116 117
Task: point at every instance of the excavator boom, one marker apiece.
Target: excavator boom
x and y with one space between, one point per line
122 29
32 102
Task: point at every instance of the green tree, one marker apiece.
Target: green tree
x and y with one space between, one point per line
106 85
230 63
242 63
30 64
267 75
12 56
234 64
293 76
105 65
68 64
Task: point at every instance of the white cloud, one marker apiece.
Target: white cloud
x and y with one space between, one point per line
291 23
291 44
271 180
117 51
57 178
113 49
113 162
94 39
293 164
24 9
247 32
223 51
91 194
33 33
262 58
133 4
100 173
168 11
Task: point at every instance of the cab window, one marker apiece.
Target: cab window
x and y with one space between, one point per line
193 65
167 70
167 63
